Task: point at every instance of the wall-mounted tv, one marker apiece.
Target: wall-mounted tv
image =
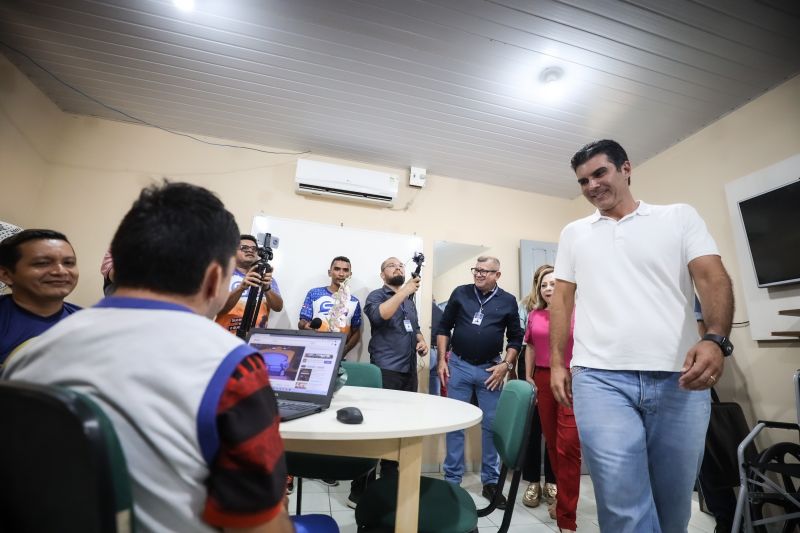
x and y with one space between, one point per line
772 225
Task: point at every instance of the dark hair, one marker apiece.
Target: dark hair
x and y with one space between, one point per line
170 236
615 152
9 247
246 237
341 258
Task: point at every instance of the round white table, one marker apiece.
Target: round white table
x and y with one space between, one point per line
394 424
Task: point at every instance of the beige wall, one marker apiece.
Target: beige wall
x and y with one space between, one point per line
80 174
695 171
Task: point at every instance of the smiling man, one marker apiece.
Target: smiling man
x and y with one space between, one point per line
40 267
640 373
474 323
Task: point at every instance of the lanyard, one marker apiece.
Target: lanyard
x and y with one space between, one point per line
482 303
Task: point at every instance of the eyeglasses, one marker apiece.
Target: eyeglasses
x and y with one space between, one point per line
395 265
246 248
481 272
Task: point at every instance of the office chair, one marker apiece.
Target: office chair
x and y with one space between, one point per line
445 507
61 465
318 466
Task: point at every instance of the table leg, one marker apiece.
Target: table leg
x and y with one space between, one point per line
410 470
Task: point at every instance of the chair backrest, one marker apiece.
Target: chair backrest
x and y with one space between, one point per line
512 422
363 375
61 465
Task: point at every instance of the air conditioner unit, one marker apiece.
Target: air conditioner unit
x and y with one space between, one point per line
345 183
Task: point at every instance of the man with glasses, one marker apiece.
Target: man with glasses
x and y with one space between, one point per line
245 276
478 316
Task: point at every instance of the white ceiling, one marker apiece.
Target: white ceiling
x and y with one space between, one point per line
449 85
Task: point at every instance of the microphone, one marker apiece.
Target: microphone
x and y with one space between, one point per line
315 323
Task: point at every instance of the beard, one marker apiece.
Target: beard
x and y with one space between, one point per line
396 281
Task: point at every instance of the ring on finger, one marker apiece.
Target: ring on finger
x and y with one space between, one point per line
712 379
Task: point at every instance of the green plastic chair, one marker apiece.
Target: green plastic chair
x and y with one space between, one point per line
61 464
317 466
445 507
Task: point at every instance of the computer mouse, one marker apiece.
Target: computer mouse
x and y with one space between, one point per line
349 415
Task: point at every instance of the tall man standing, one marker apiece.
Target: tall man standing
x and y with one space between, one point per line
320 303
478 315
40 267
244 276
640 373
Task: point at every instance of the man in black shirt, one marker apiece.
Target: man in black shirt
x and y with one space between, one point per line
478 315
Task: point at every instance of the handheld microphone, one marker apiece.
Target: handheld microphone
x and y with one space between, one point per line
315 323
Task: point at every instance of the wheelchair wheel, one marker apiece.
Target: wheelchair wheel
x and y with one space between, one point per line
783 460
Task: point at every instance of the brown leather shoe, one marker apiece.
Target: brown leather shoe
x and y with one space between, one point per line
533 495
489 492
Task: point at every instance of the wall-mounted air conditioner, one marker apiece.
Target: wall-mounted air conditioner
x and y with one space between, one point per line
345 183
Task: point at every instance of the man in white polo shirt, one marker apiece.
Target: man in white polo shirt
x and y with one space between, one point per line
640 372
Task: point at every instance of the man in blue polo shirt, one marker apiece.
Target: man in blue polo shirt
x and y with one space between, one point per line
40 267
478 315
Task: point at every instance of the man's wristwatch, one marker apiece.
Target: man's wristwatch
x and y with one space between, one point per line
723 342
509 365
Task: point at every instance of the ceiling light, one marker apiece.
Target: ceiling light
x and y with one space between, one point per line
551 75
184 5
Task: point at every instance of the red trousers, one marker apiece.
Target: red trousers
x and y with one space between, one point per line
563 448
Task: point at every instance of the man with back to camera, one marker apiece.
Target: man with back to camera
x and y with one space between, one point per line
244 276
478 315
201 438
319 303
640 372
40 267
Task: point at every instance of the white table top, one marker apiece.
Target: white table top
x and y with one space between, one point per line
387 414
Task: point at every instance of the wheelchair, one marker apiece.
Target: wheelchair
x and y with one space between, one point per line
769 493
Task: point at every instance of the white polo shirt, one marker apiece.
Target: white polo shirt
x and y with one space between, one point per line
634 306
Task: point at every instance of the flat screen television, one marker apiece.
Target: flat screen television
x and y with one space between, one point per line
772 225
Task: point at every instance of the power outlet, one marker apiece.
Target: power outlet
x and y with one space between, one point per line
416 177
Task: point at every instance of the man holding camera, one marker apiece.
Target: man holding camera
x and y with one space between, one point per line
396 336
245 276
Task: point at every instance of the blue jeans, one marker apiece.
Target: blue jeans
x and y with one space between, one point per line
464 378
643 440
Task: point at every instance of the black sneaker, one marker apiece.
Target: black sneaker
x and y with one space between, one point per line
330 482
489 492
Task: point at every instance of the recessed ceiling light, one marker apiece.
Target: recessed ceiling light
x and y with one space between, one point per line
551 74
184 5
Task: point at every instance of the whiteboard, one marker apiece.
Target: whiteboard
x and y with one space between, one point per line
304 254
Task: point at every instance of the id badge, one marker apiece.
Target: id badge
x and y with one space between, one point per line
407 325
478 318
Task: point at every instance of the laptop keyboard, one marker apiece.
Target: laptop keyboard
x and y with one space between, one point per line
288 405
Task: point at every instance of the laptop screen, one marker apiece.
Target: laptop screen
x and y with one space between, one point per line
300 363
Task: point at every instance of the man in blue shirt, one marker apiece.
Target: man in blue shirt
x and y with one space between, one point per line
396 340
396 336
478 315
40 267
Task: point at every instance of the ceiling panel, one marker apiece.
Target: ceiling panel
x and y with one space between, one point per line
450 85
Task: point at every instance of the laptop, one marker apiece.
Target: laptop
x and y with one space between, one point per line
302 367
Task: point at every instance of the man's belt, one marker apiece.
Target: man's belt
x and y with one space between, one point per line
474 362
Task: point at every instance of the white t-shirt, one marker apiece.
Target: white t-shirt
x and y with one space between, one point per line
634 307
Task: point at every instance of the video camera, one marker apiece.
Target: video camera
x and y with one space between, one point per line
265 242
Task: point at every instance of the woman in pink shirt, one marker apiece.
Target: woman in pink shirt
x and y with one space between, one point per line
558 422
